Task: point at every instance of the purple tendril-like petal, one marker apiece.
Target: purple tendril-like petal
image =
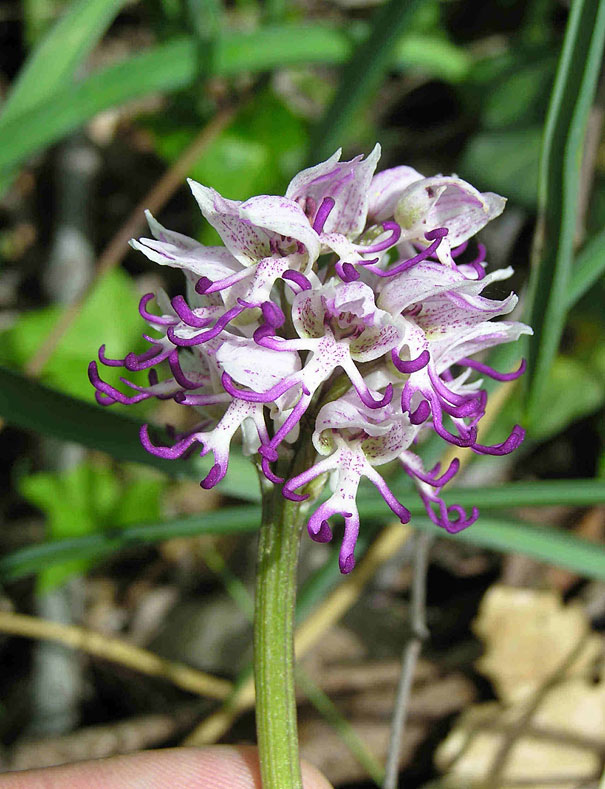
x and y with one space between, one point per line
476 264
186 314
460 440
459 250
207 286
257 397
214 476
431 477
323 212
290 422
497 376
191 399
367 399
391 240
421 413
178 374
298 278
198 339
402 512
506 447
323 534
154 355
347 272
109 362
266 469
111 391
148 316
411 366
273 314
436 236
169 453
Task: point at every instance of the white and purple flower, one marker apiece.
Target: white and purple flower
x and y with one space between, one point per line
339 308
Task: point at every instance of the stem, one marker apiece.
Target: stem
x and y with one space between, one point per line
410 657
273 640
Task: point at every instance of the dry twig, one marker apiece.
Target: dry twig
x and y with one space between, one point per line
118 651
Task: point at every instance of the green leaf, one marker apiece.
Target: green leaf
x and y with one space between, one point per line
544 544
362 75
238 520
96 324
519 98
589 266
564 134
228 520
54 61
433 56
84 500
32 406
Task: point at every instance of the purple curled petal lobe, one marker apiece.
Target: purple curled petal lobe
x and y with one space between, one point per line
367 399
411 366
436 236
256 397
460 520
347 272
109 362
266 469
391 240
202 285
268 452
506 447
214 476
186 314
323 212
178 374
421 413
148 316
497 376
110 392
273 314
298 278
169 453
459 249
289 494
346 563
323 533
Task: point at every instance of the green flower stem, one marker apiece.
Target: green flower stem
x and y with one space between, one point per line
273 640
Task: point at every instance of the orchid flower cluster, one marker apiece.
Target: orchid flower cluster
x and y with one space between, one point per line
339 308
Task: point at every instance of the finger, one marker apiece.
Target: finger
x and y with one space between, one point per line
218 767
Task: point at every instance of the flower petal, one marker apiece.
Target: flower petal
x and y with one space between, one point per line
446 201
245 241
346 182
385 190
254 366
284 217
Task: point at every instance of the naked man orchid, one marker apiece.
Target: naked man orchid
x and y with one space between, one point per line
338 311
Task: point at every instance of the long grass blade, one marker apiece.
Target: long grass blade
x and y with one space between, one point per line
55 60
588 267
545 544
236 520
572 96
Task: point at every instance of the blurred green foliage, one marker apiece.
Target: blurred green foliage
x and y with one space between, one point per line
88 499
96 324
